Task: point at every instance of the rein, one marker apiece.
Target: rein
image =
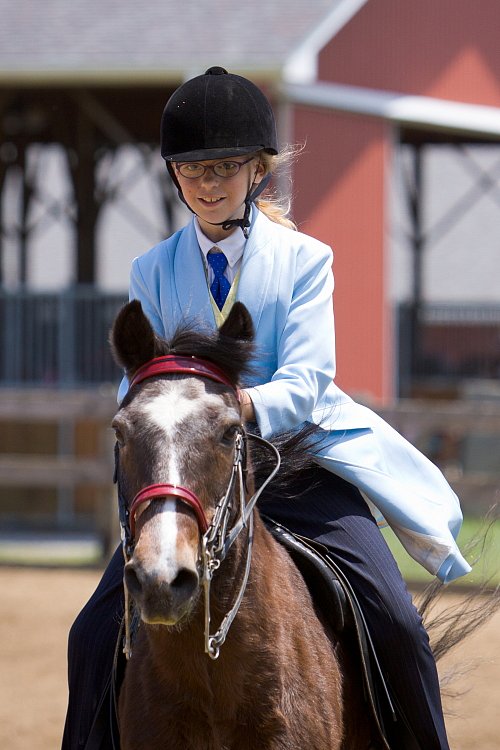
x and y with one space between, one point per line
216 537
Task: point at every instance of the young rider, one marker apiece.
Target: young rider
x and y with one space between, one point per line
218 138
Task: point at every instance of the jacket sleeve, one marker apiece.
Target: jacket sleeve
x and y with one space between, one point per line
305 344
144 292
148 296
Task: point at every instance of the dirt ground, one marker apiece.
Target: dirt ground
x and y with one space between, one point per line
39 605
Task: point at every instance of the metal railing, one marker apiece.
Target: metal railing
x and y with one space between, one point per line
61 340
449 343
58 340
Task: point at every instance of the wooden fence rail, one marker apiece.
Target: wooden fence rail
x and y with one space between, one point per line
78 461
463 438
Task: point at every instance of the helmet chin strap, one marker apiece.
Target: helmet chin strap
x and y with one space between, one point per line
244 222
227 225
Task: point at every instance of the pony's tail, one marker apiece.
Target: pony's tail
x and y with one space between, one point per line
453 624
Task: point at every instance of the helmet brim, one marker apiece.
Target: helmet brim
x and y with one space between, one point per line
204 154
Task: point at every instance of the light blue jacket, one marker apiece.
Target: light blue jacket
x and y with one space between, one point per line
286 283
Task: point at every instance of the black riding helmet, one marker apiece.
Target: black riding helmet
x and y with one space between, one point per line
218 115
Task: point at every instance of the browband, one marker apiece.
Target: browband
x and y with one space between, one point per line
179 365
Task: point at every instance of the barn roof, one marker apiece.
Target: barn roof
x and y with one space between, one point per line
123 42
108 41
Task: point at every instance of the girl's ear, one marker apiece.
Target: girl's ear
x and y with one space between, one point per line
260 172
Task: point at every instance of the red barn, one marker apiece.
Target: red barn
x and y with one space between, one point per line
396 71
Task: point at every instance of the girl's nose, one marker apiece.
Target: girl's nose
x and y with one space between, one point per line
209 178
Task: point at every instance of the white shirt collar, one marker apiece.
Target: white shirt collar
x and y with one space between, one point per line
232 246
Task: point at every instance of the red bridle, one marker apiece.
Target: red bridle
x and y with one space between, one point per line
182 365
174 364
155 491
216 537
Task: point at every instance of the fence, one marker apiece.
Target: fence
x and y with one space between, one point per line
56 462
55 408
61 340
451 344
57 339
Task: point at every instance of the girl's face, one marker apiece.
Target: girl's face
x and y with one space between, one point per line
215 199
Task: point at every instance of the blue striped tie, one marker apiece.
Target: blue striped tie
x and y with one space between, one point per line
220 286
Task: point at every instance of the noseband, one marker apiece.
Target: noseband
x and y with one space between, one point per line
216 537
154 491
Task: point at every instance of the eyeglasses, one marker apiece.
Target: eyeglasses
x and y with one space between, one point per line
191 169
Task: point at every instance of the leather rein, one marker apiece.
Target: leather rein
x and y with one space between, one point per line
216 537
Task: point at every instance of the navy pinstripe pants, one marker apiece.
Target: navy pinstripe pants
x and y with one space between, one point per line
333 513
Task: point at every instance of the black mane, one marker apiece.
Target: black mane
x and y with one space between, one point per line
134 342
231 355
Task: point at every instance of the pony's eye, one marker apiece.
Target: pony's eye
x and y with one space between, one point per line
118 434
230 434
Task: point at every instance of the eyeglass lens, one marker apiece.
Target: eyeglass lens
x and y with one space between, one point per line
192 170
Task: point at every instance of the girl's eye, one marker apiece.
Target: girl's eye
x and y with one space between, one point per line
227 168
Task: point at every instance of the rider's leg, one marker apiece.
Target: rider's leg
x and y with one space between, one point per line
334 513
91 645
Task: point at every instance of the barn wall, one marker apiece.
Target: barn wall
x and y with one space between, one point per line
447 49
339 197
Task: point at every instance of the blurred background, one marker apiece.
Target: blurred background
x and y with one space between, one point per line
397 104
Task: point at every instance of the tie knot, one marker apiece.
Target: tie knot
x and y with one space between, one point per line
218 262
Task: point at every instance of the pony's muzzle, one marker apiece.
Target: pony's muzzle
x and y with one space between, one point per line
162 599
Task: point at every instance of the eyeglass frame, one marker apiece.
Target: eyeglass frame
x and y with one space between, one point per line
212 167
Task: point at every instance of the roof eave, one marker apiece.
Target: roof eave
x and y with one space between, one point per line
400 109
302 64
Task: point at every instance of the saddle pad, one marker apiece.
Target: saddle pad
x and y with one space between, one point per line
324 586
336 600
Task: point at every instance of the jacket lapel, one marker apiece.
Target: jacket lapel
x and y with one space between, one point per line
190 279
257 267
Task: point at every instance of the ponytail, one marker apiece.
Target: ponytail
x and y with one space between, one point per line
275 207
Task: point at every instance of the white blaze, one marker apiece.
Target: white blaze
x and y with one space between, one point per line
166 411
167 562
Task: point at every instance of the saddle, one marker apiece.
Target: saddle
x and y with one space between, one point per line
334 597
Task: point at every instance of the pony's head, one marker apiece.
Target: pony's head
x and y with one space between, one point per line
177 427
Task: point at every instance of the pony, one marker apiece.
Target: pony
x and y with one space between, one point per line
226 648
280 680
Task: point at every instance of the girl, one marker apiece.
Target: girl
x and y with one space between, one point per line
218 138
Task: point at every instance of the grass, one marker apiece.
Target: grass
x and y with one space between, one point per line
87 552
485 563
50 551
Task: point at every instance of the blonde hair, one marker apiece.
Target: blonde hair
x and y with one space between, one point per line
277 207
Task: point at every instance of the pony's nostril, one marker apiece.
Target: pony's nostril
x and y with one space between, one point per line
132 581
186 581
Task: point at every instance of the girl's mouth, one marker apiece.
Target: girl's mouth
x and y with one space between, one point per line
211 201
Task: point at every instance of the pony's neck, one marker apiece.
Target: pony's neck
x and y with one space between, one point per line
271 660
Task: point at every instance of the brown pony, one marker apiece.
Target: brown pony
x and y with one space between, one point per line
230 653
280 681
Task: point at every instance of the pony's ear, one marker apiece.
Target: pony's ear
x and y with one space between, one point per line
132 337
238 324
